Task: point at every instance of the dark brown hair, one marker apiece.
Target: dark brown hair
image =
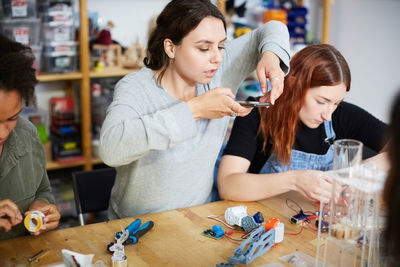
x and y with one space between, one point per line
313 66
176 21
392 187
16 71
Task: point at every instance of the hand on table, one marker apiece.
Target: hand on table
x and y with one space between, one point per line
315 185
9 214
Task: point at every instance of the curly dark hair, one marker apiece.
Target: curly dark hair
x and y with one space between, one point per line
16 71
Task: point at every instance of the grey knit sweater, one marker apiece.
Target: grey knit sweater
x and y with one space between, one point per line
164 158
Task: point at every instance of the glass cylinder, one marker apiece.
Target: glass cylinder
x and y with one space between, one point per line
347 153
351 220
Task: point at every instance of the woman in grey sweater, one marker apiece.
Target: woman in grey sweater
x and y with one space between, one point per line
167 122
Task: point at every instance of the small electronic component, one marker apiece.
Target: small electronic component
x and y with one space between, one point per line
324 226
248 223
275 223
298 218
258 217
216 232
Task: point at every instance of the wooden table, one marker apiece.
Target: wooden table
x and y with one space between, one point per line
175 240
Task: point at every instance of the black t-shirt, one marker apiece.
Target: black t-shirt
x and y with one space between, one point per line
349 121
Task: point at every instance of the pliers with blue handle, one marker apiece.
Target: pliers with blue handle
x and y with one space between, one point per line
135 232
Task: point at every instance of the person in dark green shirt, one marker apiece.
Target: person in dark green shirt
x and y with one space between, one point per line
24 185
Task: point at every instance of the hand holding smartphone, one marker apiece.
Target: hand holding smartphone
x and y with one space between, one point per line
254 104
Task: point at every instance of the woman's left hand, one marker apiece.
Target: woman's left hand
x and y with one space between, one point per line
269 67
51 215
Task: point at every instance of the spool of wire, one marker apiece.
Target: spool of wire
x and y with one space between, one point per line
34 221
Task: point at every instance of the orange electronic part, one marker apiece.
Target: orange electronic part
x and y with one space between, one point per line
271 223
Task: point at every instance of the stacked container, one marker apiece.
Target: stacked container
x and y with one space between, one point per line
20 23
65 132
60 47
296 22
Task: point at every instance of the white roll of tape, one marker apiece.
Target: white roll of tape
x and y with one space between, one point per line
34 221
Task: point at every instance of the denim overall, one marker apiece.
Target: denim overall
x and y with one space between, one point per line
305 161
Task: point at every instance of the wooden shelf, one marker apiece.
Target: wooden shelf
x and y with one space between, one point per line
59 77
97 161
111 72
53 165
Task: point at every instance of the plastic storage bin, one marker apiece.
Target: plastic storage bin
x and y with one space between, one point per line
66 147
59 62
25 31
19 8
41 7
57 8
66 46
37 52
58 31
57 11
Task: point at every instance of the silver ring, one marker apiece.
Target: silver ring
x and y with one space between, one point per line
275 79
233 114
231 105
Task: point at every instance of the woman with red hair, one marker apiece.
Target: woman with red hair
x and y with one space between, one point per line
289 145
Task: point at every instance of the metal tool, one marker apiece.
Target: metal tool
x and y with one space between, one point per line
135 232
38 255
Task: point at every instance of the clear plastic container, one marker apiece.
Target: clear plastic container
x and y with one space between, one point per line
15 9
58 31
67 19
61 11
25 31
60 8
41 8
354 218
37 52
59 62
66 46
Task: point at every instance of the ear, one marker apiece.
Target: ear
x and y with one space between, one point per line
169 48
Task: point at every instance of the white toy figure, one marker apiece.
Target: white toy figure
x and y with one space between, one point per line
118 247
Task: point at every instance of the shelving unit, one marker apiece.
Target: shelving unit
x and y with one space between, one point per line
83 77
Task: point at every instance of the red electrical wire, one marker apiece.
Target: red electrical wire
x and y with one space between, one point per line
301 230
236 241
312 228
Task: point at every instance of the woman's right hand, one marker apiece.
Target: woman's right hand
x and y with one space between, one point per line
9 214
314 185
216 103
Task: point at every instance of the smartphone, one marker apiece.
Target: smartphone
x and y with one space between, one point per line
254 104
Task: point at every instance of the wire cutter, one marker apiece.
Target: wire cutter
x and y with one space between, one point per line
135 232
